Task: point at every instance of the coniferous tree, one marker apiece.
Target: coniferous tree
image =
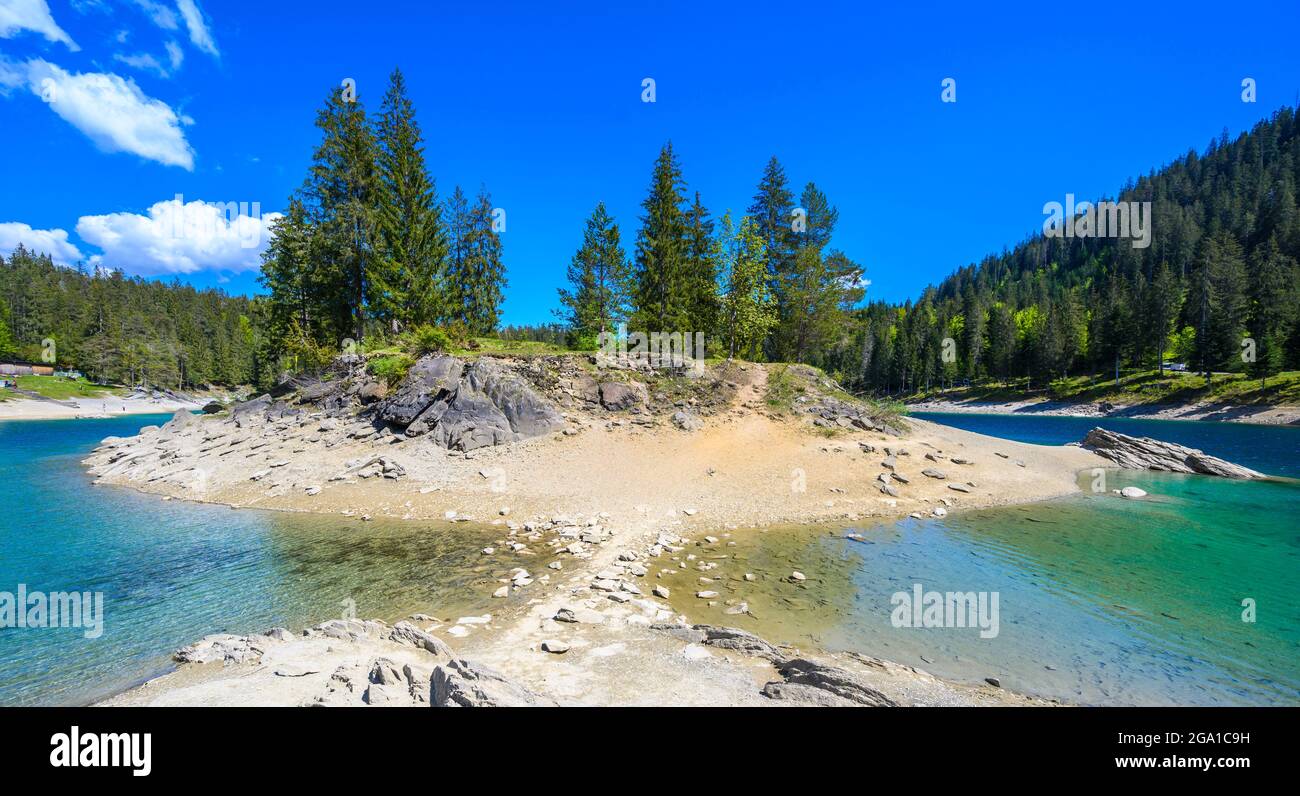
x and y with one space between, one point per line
1222 300
599 292
340 199
661 303
459 265
412 244
772 211
699 281
484 288
1272 301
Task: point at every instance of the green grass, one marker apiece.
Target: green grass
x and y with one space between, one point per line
495 345
1140 387
61 389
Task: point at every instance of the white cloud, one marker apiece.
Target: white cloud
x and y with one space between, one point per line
34 15
142 61
113 112
175 54
148 63
200 35
178 237
53 242
162 15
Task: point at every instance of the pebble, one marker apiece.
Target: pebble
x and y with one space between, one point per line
706 595
660 591
798 577
555 647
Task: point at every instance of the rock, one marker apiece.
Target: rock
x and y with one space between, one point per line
687 421
430 380
661 592
584 616
803 677
372 391
617 396
939 511
738 640
405 632
462 683
993 681
504 591
706 595
1133 492
890 462
556 647
930 472
798 576
212 407
1144 453
959 487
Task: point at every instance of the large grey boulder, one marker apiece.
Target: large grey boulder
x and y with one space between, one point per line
463 684
248 411
1144 453
472 421
430 380
528 414
618 396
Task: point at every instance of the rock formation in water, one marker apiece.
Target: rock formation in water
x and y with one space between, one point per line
1144 453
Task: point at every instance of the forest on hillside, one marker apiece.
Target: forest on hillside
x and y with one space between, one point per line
123 330
1216 290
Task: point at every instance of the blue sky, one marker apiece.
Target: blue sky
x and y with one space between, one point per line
215 102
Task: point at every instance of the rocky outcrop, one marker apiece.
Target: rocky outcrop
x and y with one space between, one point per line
464 408
739 640
810 683
1144 453
463 684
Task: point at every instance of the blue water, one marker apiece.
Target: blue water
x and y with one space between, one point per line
1270 449
172 571
1104 601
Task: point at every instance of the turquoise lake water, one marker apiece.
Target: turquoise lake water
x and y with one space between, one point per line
172 571
1127 602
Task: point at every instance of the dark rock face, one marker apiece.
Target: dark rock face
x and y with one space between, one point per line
618 396
212 407
465 408
1144 453
429 380
463 684
810 682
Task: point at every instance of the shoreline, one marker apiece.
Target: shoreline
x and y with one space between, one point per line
89 408
1198 412
626 507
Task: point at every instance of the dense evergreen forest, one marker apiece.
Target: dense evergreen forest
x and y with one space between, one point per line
1221 270
123 330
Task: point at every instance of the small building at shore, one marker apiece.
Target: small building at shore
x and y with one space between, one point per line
17 367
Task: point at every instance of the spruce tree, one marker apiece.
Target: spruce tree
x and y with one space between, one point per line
486 272
1272 300
661 252
772 211
599 276
412 244
700 270
458 267
340 199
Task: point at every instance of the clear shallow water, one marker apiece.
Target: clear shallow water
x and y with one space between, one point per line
173 571
1127 602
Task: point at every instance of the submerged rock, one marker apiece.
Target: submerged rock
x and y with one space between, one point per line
1144 453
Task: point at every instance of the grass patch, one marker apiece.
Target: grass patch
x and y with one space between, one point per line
61 389
391 368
